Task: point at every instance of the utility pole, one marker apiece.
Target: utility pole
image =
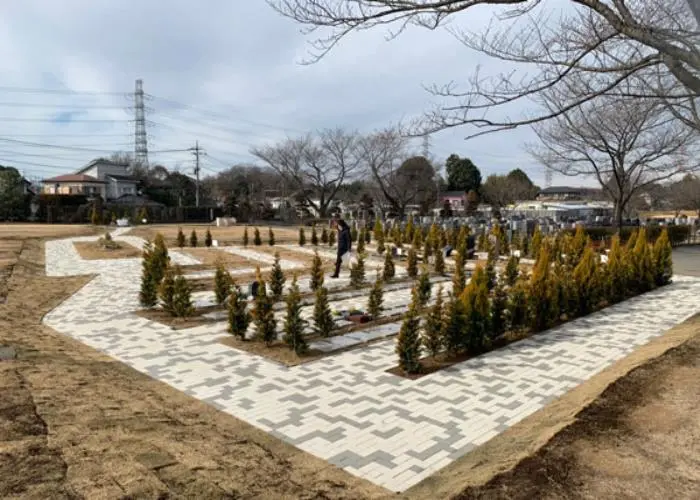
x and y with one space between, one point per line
196 151
140 136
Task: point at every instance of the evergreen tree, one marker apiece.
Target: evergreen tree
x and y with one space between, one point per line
323 318
454 327
263 315
408 343
182 296
238 315
482 242
331 238
417 242
180 238
257 240
166 291
518 305
442 239
541 305
148 296
277 279
159 258
433 328
662 262
631 242
459 278
353 232
302 237
222 283
208 239
389 270
433 237
314 236
396 236
427 251
379 236
577 246
361 241
499 306
357 272
515 242
316 278
617 272
490 270
412 263
245 236
324 236
475 299
424 287
536 243
512 270
439 263
368 236
463 239
293 323
501 238
644 272
453 237
564 290
585 278
409 229
193 238
376 299
270 237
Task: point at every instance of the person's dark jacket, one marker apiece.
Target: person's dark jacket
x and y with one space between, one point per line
344 241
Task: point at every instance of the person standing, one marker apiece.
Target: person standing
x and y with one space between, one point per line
344 244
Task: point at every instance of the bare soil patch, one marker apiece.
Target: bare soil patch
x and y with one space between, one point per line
75 423
628 432
9 253
231 235
93 250
21 231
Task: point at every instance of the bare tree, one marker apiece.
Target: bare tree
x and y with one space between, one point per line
401 179
625 144
685 194
652 46
314 166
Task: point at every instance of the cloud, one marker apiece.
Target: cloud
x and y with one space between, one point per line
234 66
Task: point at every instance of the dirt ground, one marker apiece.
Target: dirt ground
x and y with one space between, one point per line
232 235
91 250
211 256
75 423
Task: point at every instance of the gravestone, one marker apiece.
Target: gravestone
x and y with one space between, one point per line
253 289
7 353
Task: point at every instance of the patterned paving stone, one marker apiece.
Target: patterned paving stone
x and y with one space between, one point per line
345 408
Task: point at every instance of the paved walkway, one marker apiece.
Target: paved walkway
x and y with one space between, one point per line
345 408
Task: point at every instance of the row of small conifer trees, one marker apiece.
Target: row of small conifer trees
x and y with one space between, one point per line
161 281
193 240
568 280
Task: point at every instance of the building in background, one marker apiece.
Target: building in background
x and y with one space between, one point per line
100 177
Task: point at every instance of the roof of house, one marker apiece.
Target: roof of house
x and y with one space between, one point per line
567 190
122 177
74 178
101 161
453 194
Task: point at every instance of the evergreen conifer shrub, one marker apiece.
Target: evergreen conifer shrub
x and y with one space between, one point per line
263 315
412 263
166 291
245 236
389 270
302 237
182 296
317 275
277 279
148 296
222 283
270 237
433 328
208 240
324 236
160 259
417 242
585 279
257 240
357 272
323 318
459 278
439 262
512 270
454 330
662 262
361 242
424 287
238 315
293 323
193 238
408 343
499 309
331 238
379 236
475 299
180 238
518 305
353 232
314 236
375 301
536 243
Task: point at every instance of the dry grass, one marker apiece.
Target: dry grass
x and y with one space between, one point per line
92 250
75 423
23 231
9 252
210 256
232 235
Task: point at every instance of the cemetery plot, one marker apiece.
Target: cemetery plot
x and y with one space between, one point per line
231 235
106 248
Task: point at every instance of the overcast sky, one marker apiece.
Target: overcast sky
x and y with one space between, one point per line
235 65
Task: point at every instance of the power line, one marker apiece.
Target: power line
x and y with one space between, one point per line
224 117
58 122
25 90
57 106
52 146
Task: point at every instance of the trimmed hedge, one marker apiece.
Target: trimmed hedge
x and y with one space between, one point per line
676 234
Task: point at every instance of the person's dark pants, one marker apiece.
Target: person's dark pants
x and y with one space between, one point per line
338 263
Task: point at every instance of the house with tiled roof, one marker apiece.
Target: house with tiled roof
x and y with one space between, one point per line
106 178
